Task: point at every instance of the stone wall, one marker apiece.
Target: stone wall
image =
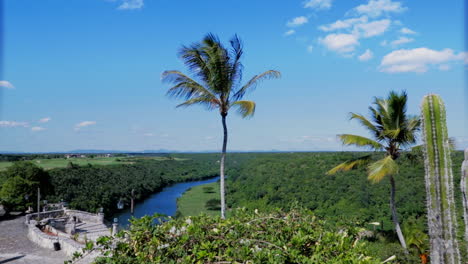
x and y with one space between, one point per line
43 215
70 246
39 237
67 245
85 216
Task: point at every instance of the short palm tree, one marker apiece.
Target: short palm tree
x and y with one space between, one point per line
217 73
392 129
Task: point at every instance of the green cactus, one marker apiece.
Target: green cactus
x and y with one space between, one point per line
464 191
441 213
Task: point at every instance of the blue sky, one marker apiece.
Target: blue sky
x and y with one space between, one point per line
85 74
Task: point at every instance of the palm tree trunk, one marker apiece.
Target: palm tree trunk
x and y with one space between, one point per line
221 169
394 214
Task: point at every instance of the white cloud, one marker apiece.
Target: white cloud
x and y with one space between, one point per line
463 56
297 21
13 124
310 48
417 60
37 128
342 43
343 24
373 28
290 32
6 84
131 4
375 8
318 4
367 55
149 135
401 40
84 124
407 31
444 67
45 120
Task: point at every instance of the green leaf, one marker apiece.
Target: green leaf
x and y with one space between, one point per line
350 164
252 83
381 168
245 108
348 139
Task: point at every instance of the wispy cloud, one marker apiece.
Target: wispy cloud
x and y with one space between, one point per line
376 8
84 124
343 24
342 43
401 40
7 85
371 29
406 30
148 134
310 48
45 120
318 4
37 128
289 32
367 55
297 21
13 124
418 60
131 4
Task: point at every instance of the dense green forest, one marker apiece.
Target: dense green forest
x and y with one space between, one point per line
263 181
91 187
276 179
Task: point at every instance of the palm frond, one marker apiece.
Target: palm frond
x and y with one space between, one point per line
392 133
245 108
381 168
350 164
185 87
209 103
218 62
194 58
236 65
348 139
364 122
252 83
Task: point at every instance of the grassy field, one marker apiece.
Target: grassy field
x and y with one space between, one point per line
62 163
193 201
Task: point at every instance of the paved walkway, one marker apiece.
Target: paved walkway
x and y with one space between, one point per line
16 248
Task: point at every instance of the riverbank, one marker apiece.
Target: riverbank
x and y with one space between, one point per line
162 202
193 201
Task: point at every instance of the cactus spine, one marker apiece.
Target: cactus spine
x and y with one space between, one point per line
441 213
464 190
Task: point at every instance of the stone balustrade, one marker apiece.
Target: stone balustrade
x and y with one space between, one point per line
53 224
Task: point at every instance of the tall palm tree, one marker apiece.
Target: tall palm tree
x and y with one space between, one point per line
217 73
392 129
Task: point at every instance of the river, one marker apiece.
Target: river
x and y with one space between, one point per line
163 202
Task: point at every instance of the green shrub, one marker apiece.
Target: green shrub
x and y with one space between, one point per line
208 189
213 204
246 237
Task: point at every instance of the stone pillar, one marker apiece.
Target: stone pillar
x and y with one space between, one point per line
115 227
70 226
101 218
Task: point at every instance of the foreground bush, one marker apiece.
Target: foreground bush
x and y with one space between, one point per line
246 237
